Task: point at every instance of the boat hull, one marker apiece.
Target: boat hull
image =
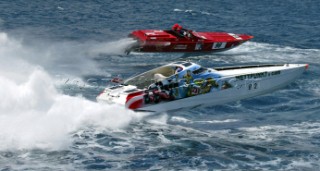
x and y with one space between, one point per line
225 85
241 91
167 41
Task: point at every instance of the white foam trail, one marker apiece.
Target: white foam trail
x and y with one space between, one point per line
115 47
184 120
60 8
177 10
192 11
180 119
251 51
158 119
220 121
33 114
300 163
271 132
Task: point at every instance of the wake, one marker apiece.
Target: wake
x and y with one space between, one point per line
33 113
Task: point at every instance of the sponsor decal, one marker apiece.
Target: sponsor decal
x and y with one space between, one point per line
219 45
253 86
257 75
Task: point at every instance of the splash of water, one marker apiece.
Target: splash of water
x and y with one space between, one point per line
33 114
115 47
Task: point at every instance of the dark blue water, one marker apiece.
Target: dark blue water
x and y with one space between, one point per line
56 56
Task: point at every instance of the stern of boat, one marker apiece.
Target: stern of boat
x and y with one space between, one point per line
126 95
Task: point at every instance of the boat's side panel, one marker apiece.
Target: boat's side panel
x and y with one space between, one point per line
166 41
241 89
188 46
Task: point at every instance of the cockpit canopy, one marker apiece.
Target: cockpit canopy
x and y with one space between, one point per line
164 72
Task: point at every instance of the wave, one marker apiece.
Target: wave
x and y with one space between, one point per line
185 120
193 12
33 113
264 52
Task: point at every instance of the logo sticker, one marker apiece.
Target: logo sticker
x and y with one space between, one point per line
219 45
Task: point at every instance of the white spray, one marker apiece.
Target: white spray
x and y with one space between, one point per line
33 114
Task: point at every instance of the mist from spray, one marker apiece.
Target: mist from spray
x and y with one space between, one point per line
33 113
118 47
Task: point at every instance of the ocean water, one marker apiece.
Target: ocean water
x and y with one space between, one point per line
57 56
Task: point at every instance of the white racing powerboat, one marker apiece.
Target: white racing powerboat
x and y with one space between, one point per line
186 84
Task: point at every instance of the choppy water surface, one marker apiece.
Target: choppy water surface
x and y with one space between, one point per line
55 58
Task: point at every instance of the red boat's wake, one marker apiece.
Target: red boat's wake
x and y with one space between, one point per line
117 47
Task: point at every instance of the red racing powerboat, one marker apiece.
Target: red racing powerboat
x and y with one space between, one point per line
179 39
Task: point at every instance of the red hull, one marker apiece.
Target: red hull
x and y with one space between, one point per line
188 41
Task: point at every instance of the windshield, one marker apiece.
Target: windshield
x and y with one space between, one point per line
145 79
200 70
